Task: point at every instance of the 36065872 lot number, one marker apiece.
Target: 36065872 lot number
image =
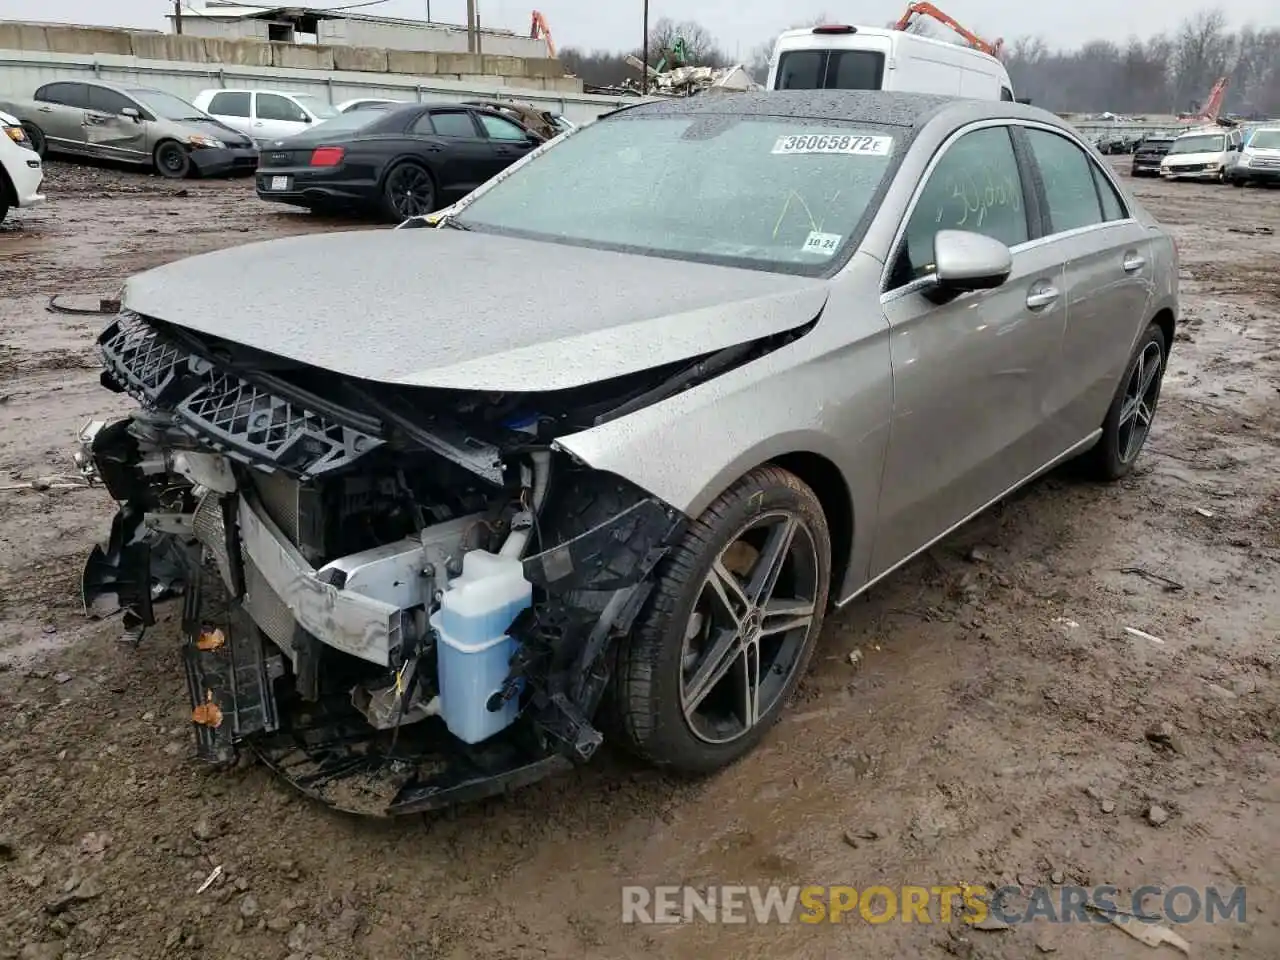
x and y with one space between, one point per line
834 143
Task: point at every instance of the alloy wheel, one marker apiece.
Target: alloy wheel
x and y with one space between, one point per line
410 191
749 626
1139 406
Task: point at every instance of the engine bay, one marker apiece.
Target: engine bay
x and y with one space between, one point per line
397 605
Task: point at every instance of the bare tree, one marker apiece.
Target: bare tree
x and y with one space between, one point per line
700 48
1164 73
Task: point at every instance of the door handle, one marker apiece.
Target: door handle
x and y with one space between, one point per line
45 109
1132 262
1040 297
257 123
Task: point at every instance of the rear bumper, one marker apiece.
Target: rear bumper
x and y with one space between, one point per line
305 188
210 161
27 173
1146 165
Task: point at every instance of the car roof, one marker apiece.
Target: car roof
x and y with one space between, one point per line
888 108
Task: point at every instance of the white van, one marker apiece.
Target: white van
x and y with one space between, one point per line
843 57
265 115
1201 155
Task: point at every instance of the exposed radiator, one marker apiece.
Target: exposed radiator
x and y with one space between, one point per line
210 530
266 608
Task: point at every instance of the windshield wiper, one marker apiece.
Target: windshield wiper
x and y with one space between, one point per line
452 223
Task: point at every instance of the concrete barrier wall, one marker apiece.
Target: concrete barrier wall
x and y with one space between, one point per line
36 38
21 72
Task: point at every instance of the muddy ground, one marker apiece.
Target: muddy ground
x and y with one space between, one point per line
994 730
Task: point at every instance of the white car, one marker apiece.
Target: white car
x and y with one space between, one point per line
265 115
21 171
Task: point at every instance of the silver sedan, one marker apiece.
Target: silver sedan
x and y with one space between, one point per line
708 368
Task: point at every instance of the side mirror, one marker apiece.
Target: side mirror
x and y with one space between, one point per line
965 261
132 113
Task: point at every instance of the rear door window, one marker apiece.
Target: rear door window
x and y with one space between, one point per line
66 94
453 123
1113 207
830 70
1069 186
229 104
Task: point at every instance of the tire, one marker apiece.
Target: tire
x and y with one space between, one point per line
408 186
172 160
658 665
1118 449
36 136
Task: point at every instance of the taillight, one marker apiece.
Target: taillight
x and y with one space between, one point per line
835 28
327 156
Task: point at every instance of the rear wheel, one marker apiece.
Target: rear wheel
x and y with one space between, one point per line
172 160
408 191
729 631
1128 422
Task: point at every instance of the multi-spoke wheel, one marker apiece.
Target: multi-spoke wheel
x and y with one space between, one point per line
1128 422
408 192
730 630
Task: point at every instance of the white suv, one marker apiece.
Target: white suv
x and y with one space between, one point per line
265 115
20 169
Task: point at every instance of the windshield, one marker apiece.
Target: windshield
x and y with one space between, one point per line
354 120
1265 140
1204 143
167 106
767 193
318 107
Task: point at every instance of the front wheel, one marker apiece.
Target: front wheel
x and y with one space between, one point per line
730 628
36 136
1128 422
172 160
408 192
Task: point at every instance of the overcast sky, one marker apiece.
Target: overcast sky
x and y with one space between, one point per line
738 24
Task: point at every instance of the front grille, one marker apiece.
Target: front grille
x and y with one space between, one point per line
230 413
1187 167
1265 162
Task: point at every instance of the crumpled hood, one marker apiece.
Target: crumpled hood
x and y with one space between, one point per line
469 311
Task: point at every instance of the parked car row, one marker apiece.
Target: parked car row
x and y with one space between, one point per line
402 158
1215 154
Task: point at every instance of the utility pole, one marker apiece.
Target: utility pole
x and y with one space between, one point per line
644 52
177 16
471 26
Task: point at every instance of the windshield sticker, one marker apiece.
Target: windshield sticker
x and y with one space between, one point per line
823 244
835 143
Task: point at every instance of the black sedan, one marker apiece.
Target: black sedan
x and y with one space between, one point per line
400 162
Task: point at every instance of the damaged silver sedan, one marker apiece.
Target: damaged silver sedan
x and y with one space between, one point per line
599 451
